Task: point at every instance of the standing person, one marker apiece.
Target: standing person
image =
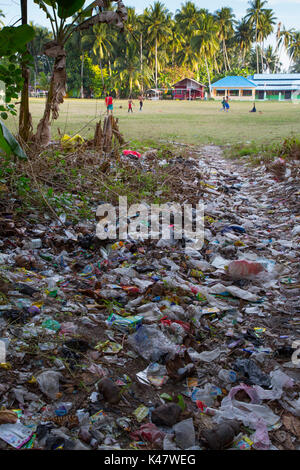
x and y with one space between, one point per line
227 104
130 103
109 103
224 104
141 98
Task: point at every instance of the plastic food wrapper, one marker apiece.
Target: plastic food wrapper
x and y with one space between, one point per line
141 413
243 269
125 324
261 440
16 434
149 432
206 395
242 442
131 153
157 374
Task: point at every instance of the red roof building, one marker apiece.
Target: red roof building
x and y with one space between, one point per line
188 89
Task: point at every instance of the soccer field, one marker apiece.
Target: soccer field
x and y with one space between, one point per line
180 121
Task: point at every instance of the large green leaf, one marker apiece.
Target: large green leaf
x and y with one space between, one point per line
13 39
67 8
9 144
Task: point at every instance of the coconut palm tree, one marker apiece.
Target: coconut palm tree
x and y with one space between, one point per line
35 47
129 66
102 45
244 35
157 21
255 14
187 55
294 47
176 41
284 37
271 59
1 16
266 27
205 41
225 20
186 18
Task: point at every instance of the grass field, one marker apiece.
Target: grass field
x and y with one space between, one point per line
185 122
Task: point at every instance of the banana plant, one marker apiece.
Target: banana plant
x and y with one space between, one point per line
9 145
58 13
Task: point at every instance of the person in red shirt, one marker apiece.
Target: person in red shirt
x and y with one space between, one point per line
109 103
130 103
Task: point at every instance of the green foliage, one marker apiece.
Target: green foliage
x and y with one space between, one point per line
290 149
14 39
9 144
242 72
13 42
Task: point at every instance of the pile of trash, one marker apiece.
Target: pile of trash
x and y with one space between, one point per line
144 344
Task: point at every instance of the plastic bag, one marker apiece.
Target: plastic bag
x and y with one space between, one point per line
49 383
150 343
242 269
185 434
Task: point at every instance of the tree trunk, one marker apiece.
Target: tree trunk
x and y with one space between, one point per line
141 60
101 68
25 120
81 76
262 57
224 55
228 63
208 76
57 91
256 40
156 63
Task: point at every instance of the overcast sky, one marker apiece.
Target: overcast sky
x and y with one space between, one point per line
286 11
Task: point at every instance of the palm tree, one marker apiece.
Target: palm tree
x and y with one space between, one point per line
187 55
294 47
1 16
35 47
186 18
205 41
102 45
271 59
244 35
225 20
129 66
176 41
157 21
265 29
284 38
255 16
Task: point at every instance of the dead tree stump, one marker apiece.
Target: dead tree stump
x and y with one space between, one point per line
108 137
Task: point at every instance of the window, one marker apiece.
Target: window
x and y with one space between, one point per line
234 92
247 92
220 92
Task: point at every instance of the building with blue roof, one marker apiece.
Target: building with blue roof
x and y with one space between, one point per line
277 86
235 88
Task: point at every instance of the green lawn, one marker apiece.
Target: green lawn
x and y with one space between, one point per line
180 121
